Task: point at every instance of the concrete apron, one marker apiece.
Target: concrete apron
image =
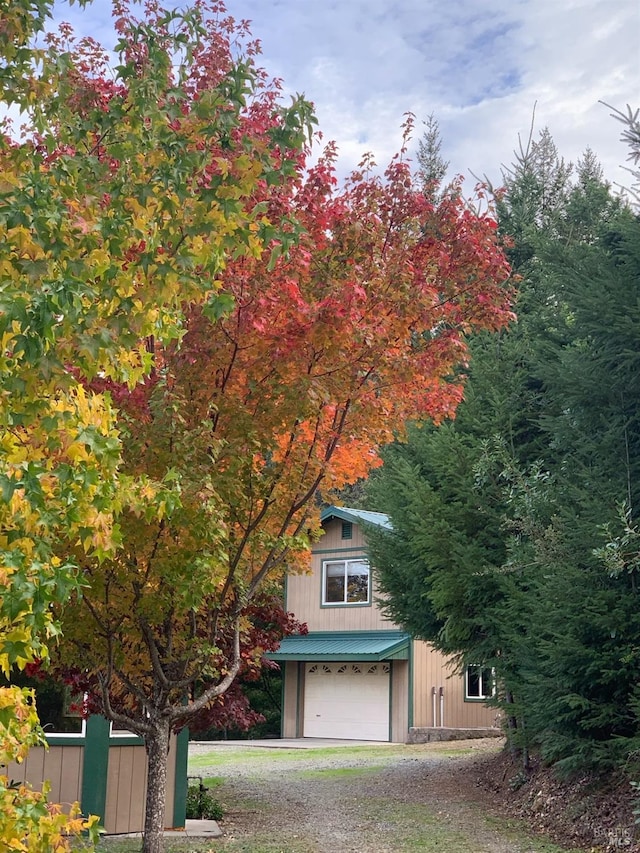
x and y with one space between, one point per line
192 829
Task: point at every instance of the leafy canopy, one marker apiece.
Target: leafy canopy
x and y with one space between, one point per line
120 200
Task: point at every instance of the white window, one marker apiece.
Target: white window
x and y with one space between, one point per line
345 582
478 682
118 730
59 710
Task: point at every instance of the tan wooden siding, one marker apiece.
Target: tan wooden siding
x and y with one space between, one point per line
290 700
332 537
400 700
126 789
60 765
431 669
304 592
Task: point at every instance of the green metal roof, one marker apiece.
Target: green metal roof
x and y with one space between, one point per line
345 645
356 516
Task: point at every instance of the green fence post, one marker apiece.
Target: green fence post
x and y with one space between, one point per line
95 767
180 786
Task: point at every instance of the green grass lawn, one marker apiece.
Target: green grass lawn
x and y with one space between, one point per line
227 755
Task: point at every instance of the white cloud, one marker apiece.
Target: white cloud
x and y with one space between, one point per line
478 65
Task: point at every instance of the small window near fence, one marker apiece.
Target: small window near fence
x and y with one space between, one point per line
59 709
118 730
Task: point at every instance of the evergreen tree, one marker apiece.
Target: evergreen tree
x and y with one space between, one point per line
631 137
581 696
432 167
498 516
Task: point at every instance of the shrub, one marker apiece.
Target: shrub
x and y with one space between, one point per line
201 804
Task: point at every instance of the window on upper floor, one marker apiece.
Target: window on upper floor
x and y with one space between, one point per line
345 582
478 682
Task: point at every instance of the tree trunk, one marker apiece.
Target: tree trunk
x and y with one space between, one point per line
157 744
526 766
512 727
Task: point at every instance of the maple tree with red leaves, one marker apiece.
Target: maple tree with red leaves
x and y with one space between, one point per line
331 317
327 352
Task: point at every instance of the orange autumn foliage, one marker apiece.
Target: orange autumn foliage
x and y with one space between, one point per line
347 319
329 352
326 352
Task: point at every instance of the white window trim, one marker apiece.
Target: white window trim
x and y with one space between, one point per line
120 732
51 735
483 695
346 561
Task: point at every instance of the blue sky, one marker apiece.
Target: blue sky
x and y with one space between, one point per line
479 66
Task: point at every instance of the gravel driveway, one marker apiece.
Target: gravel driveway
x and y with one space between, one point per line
357 800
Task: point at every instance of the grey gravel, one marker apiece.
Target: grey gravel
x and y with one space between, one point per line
394 797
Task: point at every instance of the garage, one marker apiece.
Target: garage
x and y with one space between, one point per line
347 700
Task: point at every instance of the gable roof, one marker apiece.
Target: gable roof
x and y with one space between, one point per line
355 516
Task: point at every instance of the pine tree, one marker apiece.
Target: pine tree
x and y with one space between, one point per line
432 166
499 515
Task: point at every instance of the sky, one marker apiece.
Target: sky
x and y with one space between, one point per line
481 67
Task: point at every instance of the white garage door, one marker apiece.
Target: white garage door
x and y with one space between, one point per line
347 700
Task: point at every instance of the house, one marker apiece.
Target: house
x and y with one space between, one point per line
356 675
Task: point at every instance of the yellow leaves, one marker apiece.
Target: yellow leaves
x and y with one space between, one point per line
29 824
8 699
7 270
98 526
77 453
230 193
8 181
23 624
74 434
17 637
90 408
148 491
198 244
21 239
13 447
130 367
100 261
79 409
19 724
223 165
